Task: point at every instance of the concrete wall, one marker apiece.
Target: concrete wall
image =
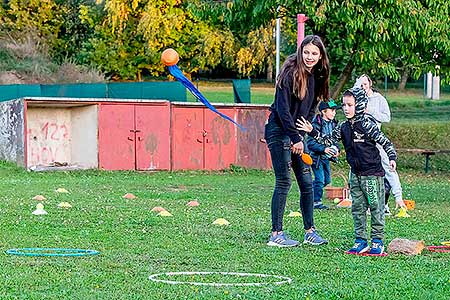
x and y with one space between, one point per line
12 131
84 144
48 136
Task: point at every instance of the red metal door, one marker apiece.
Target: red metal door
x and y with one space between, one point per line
153 137
251 150
116 138
187 138
220 140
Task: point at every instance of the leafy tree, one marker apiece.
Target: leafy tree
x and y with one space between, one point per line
76 27
258 53
54 25
134 33
373 36
368 35
126 37
255 50
44 17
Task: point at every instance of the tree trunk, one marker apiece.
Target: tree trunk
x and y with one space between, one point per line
343 78
404 78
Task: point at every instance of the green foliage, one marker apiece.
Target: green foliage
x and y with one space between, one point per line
129 39
7 61
76 28
255 48
419 136
135 243
125 38
43 17
116 56
259 52
379 37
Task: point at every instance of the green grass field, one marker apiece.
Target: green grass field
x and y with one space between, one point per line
135 243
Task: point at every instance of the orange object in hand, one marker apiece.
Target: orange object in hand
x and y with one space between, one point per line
307 159
169 57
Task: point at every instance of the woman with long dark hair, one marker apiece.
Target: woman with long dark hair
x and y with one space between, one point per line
302 84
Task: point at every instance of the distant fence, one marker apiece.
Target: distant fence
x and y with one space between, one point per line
170 90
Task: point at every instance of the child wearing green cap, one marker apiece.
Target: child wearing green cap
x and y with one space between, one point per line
324 122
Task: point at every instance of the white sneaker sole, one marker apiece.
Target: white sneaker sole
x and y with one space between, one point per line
273 244
364 250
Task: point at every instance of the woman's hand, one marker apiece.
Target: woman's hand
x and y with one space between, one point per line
297 148
332 151
337 154
304 125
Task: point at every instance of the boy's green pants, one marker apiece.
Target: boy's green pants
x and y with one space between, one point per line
367 192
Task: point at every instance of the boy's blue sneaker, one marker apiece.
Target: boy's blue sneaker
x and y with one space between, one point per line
377 247
314 239
281 240
359 247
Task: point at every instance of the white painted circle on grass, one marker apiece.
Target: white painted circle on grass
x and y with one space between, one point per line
281 279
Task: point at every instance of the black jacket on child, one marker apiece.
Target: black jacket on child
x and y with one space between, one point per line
360 135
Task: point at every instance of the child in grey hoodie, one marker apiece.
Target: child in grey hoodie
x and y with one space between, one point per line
378 108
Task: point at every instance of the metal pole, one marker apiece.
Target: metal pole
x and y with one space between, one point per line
429 85
424 85
301 19
277 39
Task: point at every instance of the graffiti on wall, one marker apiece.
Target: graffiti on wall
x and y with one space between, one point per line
48 137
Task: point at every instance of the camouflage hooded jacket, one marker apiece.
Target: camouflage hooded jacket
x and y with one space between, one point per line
360 135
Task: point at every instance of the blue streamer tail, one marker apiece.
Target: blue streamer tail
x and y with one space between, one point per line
176 72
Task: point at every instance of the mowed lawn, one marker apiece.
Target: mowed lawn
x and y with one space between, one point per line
135 243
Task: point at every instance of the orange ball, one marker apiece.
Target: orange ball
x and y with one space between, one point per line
169 57
307 159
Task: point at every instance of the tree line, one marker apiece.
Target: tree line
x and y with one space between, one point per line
124 38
